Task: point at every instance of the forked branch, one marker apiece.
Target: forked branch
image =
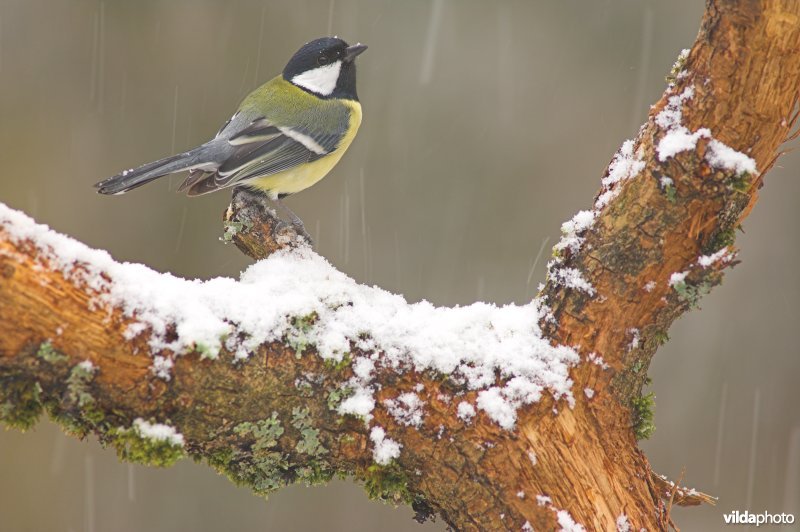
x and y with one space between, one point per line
492 418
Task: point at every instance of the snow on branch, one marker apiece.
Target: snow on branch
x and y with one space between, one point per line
295 292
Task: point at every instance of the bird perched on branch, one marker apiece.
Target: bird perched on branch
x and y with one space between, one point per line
285 136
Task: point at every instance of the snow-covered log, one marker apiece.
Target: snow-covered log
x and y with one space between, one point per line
513 417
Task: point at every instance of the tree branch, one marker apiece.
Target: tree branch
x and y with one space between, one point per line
489 417
255 228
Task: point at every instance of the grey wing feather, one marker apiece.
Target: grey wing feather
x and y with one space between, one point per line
260 130
259 148
249 161
194 177
272 156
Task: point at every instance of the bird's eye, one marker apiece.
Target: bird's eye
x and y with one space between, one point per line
322 60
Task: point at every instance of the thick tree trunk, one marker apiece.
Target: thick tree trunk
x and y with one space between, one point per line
657 239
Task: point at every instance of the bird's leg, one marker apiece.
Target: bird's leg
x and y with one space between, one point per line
255 196
259 210
297 223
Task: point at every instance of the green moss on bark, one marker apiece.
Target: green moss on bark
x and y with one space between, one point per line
20 402
133 446
387 483
643 413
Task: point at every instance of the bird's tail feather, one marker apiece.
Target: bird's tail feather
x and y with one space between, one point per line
136 177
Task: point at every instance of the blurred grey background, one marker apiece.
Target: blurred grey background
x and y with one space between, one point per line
486 124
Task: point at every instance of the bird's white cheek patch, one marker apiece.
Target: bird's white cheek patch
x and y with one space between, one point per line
321 80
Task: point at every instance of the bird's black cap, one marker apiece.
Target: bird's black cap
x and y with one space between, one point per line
321 53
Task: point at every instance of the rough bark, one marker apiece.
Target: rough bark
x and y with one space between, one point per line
269 420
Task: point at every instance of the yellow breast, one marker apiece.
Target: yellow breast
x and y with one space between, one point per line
301 177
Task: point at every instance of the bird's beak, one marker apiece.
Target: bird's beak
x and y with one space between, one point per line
351 52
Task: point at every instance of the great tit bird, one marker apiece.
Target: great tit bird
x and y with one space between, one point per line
285 136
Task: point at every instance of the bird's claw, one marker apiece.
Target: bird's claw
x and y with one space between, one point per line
297 228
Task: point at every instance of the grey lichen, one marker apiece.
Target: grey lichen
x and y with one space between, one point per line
266 432
231 229
299 336
692 293
337 395
78 384
47 353
337 366
265 470
77 412
309 442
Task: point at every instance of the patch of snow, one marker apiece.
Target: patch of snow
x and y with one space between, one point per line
363 368
720 155
571 278
588 392
87 366
722 255
543 500
650 286
622 523
635 337
241 354
162 367
406 409
678 139
520 494
567 523
385 449
532 456
572 229
494 403
133 330
596 359
360 404
677 278
466 411
158 432
623 166
670 117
